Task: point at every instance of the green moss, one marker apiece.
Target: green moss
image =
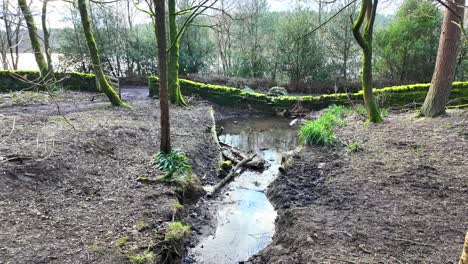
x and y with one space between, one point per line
226 165
458 106
144 179
396 96
142 258
177 231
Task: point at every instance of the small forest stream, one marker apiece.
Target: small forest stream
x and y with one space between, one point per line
245 217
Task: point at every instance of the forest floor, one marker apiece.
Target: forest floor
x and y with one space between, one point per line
70 194
402 199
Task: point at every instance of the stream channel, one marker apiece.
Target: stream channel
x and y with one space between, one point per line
245 217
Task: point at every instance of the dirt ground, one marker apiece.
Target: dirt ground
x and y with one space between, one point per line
71 195
402 199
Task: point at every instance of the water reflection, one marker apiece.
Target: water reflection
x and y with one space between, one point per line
245 216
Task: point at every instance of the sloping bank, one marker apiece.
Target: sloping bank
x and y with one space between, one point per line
395 96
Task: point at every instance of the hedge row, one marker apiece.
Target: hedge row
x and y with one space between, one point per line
396 96
12 81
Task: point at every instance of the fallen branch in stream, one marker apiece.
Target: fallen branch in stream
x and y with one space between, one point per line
236 156
230 176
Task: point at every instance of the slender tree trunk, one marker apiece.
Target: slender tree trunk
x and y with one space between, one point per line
367 14
36 45
444 72
93 50
160 24
47 38
8 32
173 66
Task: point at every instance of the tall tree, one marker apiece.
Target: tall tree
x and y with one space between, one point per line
160 29
367 15
444 72
173 67
45 29
93 50
34 37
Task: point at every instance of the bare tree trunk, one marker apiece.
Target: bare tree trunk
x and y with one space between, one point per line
93 50
367 14
47 38
160 24
444 72
36 45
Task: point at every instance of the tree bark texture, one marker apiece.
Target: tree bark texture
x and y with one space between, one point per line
160 24
444 72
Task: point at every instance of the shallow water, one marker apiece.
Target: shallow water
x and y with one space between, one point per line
245 217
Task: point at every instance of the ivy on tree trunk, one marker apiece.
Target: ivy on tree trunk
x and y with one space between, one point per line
173 66
366 16
93 50
160 30
444 72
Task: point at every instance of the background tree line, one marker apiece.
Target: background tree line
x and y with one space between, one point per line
244 39
244 43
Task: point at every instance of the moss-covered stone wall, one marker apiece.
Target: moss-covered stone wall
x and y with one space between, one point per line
396 96
12 81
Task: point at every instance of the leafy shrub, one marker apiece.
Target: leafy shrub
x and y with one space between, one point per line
320 131
174 164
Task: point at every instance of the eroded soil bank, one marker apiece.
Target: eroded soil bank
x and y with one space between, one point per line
402 199
71 195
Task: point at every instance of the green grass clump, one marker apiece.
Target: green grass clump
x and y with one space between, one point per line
174 165
320 131
354 147
177 231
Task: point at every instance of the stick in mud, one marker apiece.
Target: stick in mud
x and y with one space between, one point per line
230 176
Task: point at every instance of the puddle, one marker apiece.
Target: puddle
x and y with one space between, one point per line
245 217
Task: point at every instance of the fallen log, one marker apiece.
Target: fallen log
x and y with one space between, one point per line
214 133
236 155
229 177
